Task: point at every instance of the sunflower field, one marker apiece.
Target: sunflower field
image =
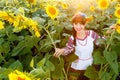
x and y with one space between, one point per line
30 30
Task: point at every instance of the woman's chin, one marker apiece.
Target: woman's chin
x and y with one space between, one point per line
78 30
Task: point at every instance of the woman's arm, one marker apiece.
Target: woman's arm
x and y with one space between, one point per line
66 50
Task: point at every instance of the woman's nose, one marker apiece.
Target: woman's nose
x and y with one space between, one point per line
78 24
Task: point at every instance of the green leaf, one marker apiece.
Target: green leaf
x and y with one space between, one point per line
49 65
2 33
41 63
31 41
18 49
36 72
1 41
98 58
1 58
32 63
71 57
26 50
25 46
39 20
111 58
46 45
5 48
59 65
117 37
116 47
16 65
12 37
25 60
40 73
104 75
4 73
91 73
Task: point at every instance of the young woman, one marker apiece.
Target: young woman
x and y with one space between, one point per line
82 41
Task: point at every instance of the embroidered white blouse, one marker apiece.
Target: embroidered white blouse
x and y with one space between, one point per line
83 49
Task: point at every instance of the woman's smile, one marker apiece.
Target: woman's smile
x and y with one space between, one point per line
78 27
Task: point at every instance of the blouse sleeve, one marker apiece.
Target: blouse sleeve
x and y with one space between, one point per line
95 36
69 46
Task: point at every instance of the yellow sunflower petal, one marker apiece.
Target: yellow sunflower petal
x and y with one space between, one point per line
118 29
1 25
12 76
17 75
37 33
117 12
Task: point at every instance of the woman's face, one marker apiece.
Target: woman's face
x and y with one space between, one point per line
78 27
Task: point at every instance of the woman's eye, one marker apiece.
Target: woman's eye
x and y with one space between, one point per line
75 23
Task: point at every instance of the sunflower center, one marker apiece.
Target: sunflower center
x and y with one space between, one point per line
19 78
31 1
103 4
65 5
52 10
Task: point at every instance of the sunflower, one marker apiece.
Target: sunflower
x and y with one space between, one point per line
117 12
32 1
117 5
52 11
103 4
64 6
17 75
92 8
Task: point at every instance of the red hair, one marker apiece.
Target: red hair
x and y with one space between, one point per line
79 18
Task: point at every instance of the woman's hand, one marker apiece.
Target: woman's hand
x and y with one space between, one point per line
58 52
112 27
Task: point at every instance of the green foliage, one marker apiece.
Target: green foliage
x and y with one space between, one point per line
91 73
24 51
4 72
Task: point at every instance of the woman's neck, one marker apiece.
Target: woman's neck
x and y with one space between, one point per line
81 34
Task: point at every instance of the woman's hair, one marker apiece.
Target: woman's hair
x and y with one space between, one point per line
78 18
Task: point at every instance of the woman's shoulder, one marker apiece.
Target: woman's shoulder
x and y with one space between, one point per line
91 31
93 34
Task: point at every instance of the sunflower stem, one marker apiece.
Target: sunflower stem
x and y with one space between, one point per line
50 37
66 78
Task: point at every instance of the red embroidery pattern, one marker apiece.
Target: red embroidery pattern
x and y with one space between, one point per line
81 43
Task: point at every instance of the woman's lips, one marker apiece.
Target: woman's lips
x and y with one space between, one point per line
78 29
